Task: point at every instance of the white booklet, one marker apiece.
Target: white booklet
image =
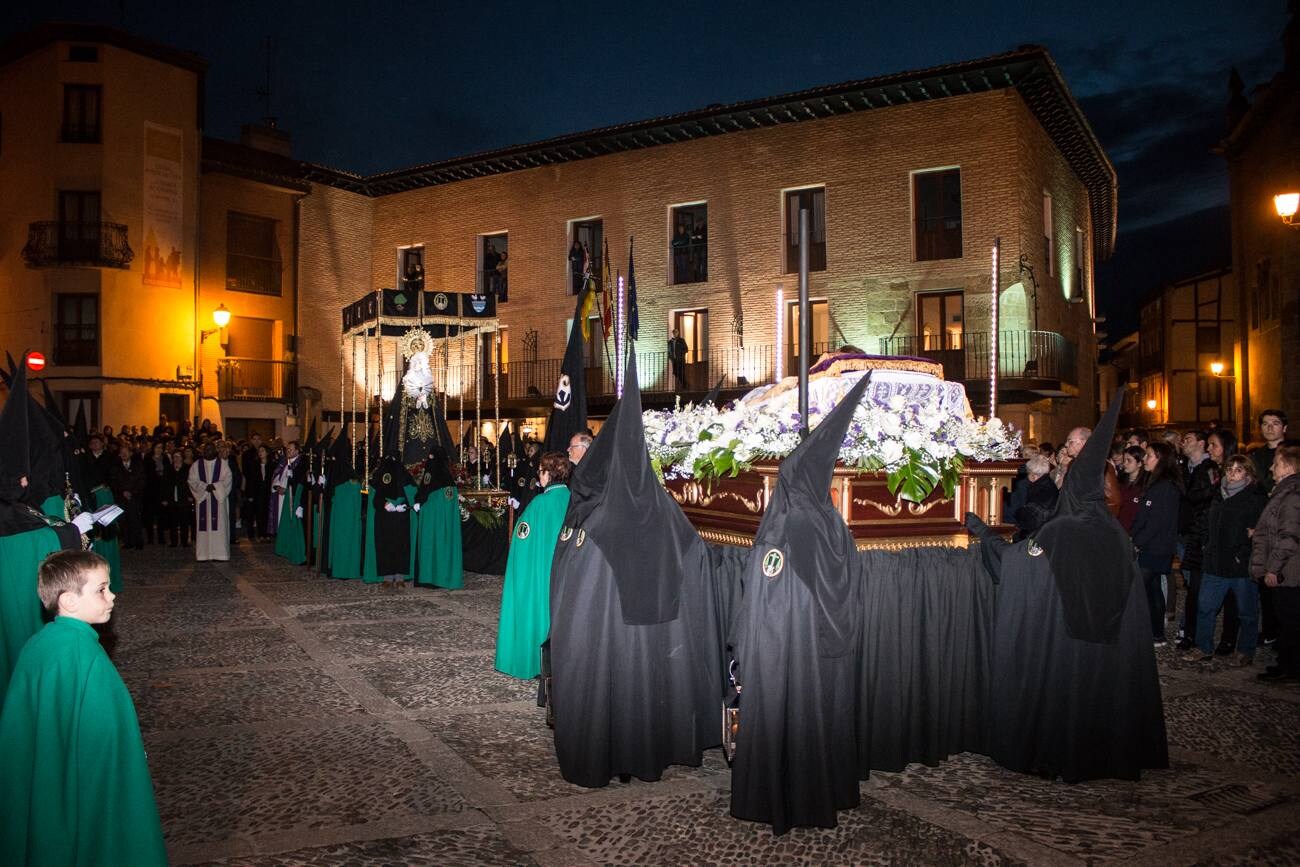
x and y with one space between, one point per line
107 515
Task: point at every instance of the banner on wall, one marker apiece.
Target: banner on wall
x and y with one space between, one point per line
164 213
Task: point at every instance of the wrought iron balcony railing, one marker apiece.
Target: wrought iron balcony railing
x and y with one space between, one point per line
1024 357
257 379
56 243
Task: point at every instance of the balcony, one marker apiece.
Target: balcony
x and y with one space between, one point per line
257 379
54 244
1031 364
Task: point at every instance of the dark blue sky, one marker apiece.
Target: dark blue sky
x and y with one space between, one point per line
381 85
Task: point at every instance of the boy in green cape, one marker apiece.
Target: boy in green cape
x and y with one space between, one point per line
73 776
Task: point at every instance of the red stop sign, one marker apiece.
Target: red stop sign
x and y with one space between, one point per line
35 361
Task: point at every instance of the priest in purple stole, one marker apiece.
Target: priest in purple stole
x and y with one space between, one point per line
210 483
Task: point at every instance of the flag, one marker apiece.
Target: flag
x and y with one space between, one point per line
606 308
633 319
569 408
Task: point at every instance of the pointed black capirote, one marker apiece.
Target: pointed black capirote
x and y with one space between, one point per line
1090 554
712 396
569 408
15 426
617 501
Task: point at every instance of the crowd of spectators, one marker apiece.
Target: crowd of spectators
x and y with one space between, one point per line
1220 522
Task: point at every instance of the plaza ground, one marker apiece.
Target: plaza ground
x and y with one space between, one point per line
295 720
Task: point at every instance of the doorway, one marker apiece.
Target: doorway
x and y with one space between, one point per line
691 371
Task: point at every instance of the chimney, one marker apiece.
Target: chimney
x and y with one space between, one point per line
266 137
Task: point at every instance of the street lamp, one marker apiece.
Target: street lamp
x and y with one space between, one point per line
1151 404
1286 205
221 316
1216 367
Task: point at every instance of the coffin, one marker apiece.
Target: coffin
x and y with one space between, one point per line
728 510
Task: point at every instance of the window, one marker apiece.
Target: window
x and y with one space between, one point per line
814 200
936 205
79 226
87 402
690 244
494 256
83 53
410 268
585 240
252 254
81 112
821 331
939 320
1049 253
76 329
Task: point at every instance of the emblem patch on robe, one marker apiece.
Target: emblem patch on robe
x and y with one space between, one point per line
566 534
426 478
1035 550
451 492
523 530
773 563
388 478
582 537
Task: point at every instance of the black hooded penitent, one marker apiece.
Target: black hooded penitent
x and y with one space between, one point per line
635 652
1074 692
795 635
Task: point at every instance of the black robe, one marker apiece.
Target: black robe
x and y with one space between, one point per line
392 529
795 644
635 654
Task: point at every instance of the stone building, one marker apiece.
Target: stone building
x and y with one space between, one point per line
1262 149
124 230
909 180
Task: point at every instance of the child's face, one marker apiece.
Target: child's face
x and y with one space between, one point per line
94 604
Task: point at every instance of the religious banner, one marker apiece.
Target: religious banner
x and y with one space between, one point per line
164 213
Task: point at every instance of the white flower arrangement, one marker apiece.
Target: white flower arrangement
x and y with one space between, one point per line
919 445
488 511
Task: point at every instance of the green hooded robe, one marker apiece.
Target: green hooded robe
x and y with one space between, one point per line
73 776
526 599
345 530
290 543
110 549
21 555
437 548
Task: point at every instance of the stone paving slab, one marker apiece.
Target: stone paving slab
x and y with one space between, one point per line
481 846
132 617
396 638
697 829
318 591
211 788
446 682
1244 728
398 606
178 701
1105 819
208 649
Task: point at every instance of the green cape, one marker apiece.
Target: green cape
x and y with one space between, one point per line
73 776
109 549
289 540
526 599
345 531
437 541
20 608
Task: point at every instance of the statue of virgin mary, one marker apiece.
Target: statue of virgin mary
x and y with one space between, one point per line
413 422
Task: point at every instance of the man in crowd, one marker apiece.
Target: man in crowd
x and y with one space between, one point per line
1201 485
126 478
578 445
1272 429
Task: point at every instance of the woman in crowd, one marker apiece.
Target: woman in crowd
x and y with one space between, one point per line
1221 445
1155 528
1132 481
1225 560
1040 497
1275 561
526 599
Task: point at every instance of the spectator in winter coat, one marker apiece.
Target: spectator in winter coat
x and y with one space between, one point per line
1155 528
1225 560
1275 560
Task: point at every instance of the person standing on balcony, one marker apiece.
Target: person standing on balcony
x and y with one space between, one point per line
677 358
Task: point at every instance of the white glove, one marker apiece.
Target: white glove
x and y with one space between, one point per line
487 480
401 508
514 504
416 507
83 522
389 507
321 480
298 511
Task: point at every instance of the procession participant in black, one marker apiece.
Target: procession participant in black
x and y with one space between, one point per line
388 537
635 642
794 640
1074 691
311 464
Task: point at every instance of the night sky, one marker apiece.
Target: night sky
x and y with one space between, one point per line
380 85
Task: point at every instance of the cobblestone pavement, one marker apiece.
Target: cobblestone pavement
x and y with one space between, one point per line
292 719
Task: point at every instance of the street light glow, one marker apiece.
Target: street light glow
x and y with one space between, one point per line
221 316
1286 204
1151 403
1216 367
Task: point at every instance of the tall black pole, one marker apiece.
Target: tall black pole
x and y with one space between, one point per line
805 323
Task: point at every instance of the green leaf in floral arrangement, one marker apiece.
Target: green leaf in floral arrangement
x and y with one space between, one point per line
894 480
